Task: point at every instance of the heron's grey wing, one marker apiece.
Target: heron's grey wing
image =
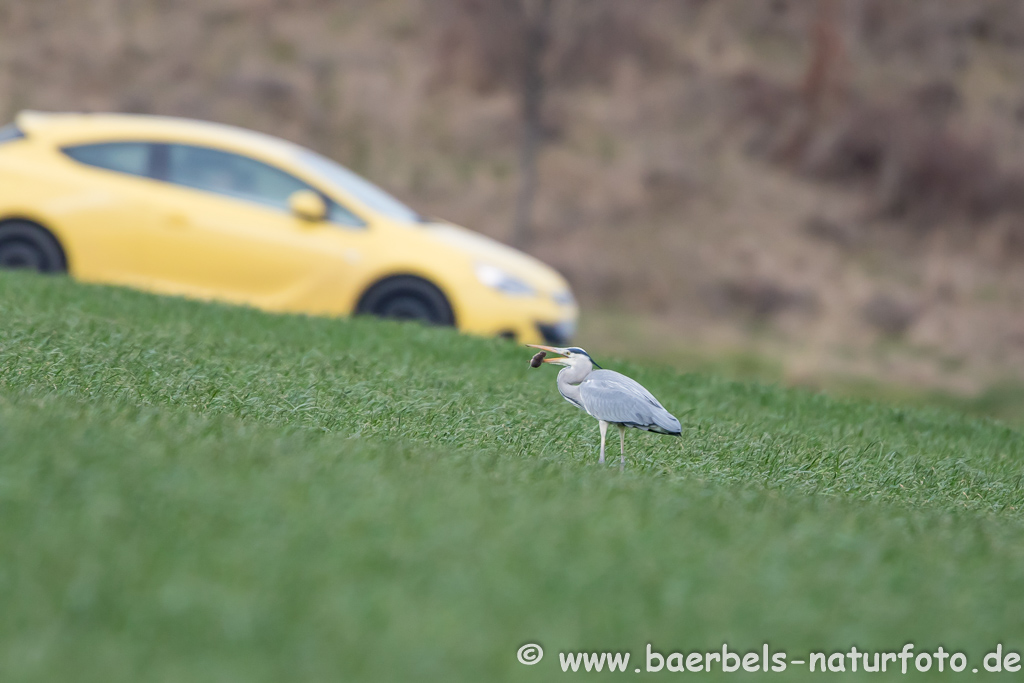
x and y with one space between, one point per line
613 397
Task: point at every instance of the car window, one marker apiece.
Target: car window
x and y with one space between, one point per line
243 178
230 174
360 188
336 213
10 132
125 157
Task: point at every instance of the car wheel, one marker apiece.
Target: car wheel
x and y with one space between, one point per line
25 245
407 298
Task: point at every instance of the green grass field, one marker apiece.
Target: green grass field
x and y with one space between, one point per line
197 493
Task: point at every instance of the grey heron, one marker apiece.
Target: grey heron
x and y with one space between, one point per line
608 396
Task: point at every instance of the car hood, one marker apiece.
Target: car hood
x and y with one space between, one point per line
483 249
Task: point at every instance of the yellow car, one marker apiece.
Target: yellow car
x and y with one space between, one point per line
209 211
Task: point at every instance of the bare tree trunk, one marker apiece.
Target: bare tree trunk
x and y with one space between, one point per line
532 99
824 84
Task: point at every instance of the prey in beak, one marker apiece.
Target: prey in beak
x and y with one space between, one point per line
539 358
568 357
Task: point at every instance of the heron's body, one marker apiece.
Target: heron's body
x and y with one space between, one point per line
610 397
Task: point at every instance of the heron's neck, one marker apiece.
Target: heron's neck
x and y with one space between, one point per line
569 379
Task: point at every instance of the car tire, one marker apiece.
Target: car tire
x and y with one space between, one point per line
25 245
407 297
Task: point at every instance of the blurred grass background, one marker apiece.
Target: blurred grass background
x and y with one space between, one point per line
826 194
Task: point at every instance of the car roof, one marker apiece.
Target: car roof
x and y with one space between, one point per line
63 129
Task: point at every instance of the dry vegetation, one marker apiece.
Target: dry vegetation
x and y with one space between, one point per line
834 185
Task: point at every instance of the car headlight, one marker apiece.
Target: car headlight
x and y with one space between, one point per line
496 278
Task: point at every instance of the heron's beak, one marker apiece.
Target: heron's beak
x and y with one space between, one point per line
551 349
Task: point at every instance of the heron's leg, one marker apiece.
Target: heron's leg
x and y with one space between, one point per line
622 447
604 430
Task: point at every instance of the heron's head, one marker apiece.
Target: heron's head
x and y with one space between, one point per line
572 356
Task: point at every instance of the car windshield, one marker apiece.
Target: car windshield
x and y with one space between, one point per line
360 188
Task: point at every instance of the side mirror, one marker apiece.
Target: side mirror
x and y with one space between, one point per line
308 205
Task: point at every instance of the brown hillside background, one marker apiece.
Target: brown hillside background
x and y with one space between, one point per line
821 193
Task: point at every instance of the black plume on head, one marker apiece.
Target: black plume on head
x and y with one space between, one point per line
576 349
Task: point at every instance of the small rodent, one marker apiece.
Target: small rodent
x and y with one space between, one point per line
537 359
